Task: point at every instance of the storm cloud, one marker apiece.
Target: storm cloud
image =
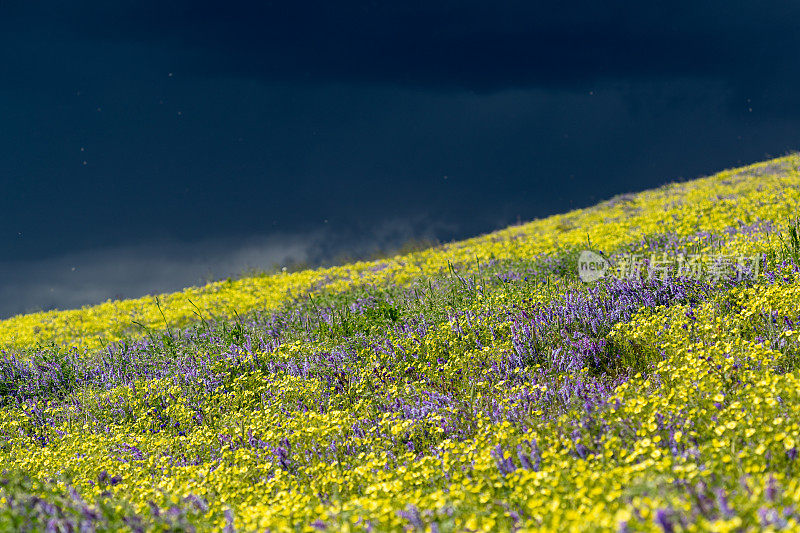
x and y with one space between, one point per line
172 128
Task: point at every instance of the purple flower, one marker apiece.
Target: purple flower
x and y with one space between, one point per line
504 464
662 519
771 490
412 515
792 453
229 521
722 503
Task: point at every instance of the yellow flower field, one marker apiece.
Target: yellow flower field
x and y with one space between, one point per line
475 386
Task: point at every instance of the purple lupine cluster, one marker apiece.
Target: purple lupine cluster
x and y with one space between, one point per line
714 505
573 327
673 243
29 506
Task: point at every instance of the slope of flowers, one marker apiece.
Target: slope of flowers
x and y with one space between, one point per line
478 386
763 193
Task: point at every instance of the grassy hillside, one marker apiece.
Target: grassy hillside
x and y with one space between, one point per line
478 385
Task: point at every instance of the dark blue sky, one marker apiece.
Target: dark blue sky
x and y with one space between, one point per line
147 146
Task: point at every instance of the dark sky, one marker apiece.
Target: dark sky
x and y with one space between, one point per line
148 146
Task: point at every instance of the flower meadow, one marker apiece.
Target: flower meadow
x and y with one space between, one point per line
474 386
